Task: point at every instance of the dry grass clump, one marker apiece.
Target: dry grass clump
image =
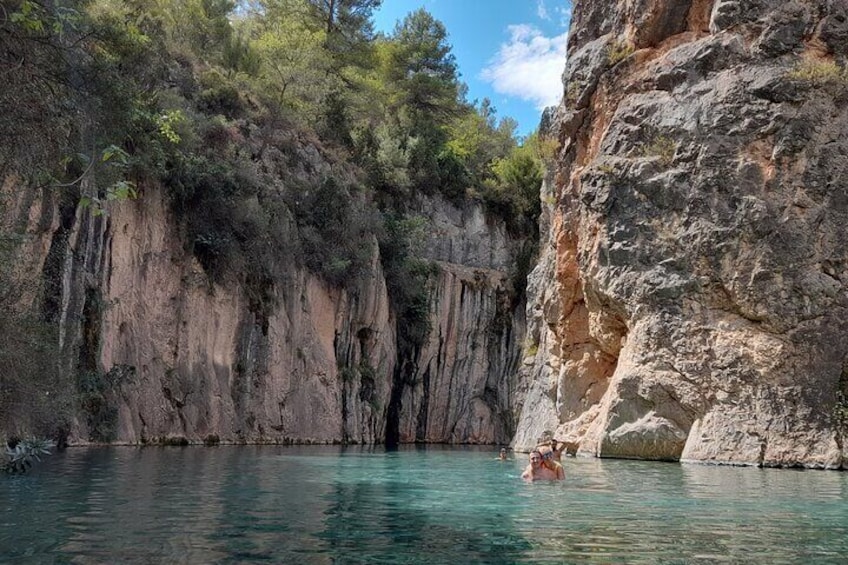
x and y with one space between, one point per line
662 147
818 71
618 51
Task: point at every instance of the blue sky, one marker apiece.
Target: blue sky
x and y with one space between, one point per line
510 51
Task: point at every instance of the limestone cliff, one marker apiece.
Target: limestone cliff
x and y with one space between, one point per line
180 358
692 300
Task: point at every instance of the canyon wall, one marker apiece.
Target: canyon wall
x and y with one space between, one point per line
691 299
165 355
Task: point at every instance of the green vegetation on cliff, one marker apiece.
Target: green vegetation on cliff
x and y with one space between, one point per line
284 132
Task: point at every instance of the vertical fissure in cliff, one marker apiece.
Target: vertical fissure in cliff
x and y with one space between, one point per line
52 273
424 410
71 293
251 366
498 398
404 374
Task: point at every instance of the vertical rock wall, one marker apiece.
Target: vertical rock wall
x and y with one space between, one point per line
165 355
692 301
462 386
206 364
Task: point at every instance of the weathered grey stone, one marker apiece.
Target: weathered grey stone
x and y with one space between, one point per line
732 13
834 27
783 29
655 20
582 71
691 62
700 254
589 21
465 236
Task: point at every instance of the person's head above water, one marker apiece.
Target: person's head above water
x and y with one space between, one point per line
539 469
502 454
549 458
550 453
535 458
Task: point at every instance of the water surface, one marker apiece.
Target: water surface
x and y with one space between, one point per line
436 505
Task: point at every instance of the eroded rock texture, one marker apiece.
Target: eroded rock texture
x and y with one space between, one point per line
162 354
692 300
322 365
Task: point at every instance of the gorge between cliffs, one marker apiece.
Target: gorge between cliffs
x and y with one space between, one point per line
682 293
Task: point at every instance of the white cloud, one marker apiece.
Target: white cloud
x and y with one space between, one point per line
541 11
529 66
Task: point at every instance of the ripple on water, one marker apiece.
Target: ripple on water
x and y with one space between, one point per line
437 505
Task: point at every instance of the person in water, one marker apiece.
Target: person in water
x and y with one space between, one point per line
549 460
556 448
538 471
502 455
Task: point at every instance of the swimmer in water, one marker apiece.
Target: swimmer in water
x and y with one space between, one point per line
549 460
502 455
538 471
556 447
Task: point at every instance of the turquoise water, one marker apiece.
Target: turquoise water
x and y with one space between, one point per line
435 505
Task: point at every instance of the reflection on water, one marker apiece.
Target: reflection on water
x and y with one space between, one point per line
436 505
421 507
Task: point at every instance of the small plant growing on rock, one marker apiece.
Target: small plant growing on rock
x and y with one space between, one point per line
572 94
818 72
348 374
618 51
606 168
21 455
662 147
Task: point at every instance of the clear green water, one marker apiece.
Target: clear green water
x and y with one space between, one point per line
436 505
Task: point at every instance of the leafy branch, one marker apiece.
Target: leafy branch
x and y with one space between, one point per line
24 453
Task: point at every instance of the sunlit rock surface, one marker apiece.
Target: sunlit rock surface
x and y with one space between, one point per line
692 300
689 300
186 359
203 365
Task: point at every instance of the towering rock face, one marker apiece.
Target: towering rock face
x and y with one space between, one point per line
165 355
322 365
692 300
200 361
462 384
